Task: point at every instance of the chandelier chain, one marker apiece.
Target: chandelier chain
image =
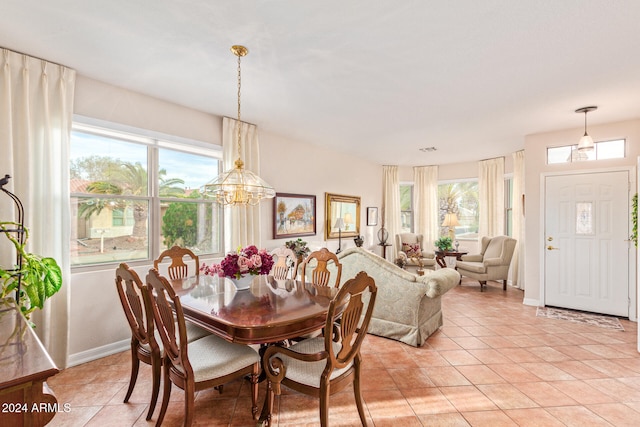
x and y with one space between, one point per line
239 122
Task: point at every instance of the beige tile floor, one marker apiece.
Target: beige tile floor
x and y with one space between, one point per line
494 363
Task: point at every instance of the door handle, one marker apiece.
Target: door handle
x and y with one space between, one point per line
552 248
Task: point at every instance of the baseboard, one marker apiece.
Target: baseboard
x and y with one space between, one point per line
530 301
98 352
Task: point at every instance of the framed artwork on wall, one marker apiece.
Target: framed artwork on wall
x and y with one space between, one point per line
294 215
372 216
345 208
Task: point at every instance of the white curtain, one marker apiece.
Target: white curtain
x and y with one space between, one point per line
36 107
491 197
241 223
517 264
391 204
426 203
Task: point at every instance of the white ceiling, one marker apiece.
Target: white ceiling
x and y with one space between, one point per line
380 78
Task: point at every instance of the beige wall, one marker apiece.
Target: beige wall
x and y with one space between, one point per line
97 324
536 168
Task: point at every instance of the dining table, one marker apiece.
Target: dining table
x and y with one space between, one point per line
270 311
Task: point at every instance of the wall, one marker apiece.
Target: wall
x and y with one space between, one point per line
291 167
536 167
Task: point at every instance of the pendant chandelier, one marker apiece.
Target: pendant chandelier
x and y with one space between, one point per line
238 186
586 142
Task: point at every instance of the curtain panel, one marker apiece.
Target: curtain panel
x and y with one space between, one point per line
426 206
517 264
241 223
391 204
36 107
491 197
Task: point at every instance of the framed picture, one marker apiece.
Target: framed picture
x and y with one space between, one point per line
343 208
372 216
294 215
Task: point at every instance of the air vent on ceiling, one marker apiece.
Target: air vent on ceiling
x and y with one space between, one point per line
428 149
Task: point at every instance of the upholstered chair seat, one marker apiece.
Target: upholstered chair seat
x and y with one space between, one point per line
492 263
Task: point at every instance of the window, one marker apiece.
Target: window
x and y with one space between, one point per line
508 207
132 196
461 198
406 207
603 150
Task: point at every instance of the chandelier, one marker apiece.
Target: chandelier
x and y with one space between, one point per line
238 186
586 142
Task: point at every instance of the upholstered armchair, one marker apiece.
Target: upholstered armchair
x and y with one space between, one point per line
411 249
492 263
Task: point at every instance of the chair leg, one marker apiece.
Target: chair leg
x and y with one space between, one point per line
255 376
483 283
166 394
504 285
267 408
189 405
135 366
324 404
156 371
358 395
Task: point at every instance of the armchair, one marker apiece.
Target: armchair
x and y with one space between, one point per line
410 246
492 263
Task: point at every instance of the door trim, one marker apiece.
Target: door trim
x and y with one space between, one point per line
631 170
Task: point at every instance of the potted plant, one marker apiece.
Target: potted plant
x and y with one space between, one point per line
299 247
444 243
40 277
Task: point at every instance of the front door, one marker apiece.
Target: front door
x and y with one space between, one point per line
586 242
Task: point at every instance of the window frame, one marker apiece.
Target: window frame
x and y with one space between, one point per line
411 211
573 147
153 141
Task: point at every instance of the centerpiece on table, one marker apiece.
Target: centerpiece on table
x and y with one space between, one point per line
241 266
299 247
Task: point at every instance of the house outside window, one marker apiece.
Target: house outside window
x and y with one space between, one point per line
461 198
133 196
406 208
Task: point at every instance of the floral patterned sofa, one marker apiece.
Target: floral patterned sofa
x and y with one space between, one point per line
408 306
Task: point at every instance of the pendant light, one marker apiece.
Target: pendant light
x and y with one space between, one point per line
586 142
238 186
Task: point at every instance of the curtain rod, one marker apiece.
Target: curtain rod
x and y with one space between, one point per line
241 121
36 57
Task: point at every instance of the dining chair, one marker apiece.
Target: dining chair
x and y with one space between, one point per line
320 274
146 346
322 366
208 362
178 269
285 263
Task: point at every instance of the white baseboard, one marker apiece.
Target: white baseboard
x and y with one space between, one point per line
98 352
530 301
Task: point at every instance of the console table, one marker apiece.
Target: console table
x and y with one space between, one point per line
25 399
440 257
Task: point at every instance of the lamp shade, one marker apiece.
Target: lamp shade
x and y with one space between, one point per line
339 224
586 143
450 220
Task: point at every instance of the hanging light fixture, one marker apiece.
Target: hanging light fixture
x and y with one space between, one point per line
238 186
586 142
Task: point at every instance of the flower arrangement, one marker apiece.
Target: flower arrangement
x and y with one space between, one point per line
235 265
299 247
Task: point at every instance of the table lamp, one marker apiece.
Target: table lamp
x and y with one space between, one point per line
451 221
339 225
347 220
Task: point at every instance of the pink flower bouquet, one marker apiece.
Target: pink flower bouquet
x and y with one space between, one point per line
249 260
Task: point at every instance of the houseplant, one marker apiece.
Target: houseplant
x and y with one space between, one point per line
239 266
41 277
444 243
299 247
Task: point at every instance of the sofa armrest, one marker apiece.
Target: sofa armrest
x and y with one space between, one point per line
493 261
440 281
471 258
428 255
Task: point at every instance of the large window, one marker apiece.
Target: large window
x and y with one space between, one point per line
508 207
133 196
406 207
461 198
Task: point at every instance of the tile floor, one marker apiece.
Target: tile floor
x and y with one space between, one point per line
494 363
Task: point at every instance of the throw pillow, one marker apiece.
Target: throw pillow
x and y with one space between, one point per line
412 250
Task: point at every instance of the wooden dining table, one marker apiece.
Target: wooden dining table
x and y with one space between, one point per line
270 311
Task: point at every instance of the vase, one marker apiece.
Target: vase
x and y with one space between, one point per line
242 283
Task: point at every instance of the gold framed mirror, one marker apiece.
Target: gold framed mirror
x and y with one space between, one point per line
342 216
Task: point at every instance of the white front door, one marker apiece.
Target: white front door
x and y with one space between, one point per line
586 242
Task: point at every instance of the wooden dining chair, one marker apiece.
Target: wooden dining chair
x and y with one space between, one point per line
320 274
322 366
178 269
193 366
146 346
285 263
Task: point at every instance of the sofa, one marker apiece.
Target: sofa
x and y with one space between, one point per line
408 307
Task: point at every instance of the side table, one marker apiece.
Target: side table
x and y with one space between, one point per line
440 257
384 249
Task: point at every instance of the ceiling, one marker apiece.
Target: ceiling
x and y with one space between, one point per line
380 79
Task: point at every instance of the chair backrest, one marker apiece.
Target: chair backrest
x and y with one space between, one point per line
159 292
178 269
359 297
285 265
320 275
501 247
130 291
409 243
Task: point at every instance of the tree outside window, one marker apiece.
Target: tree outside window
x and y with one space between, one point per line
461 198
